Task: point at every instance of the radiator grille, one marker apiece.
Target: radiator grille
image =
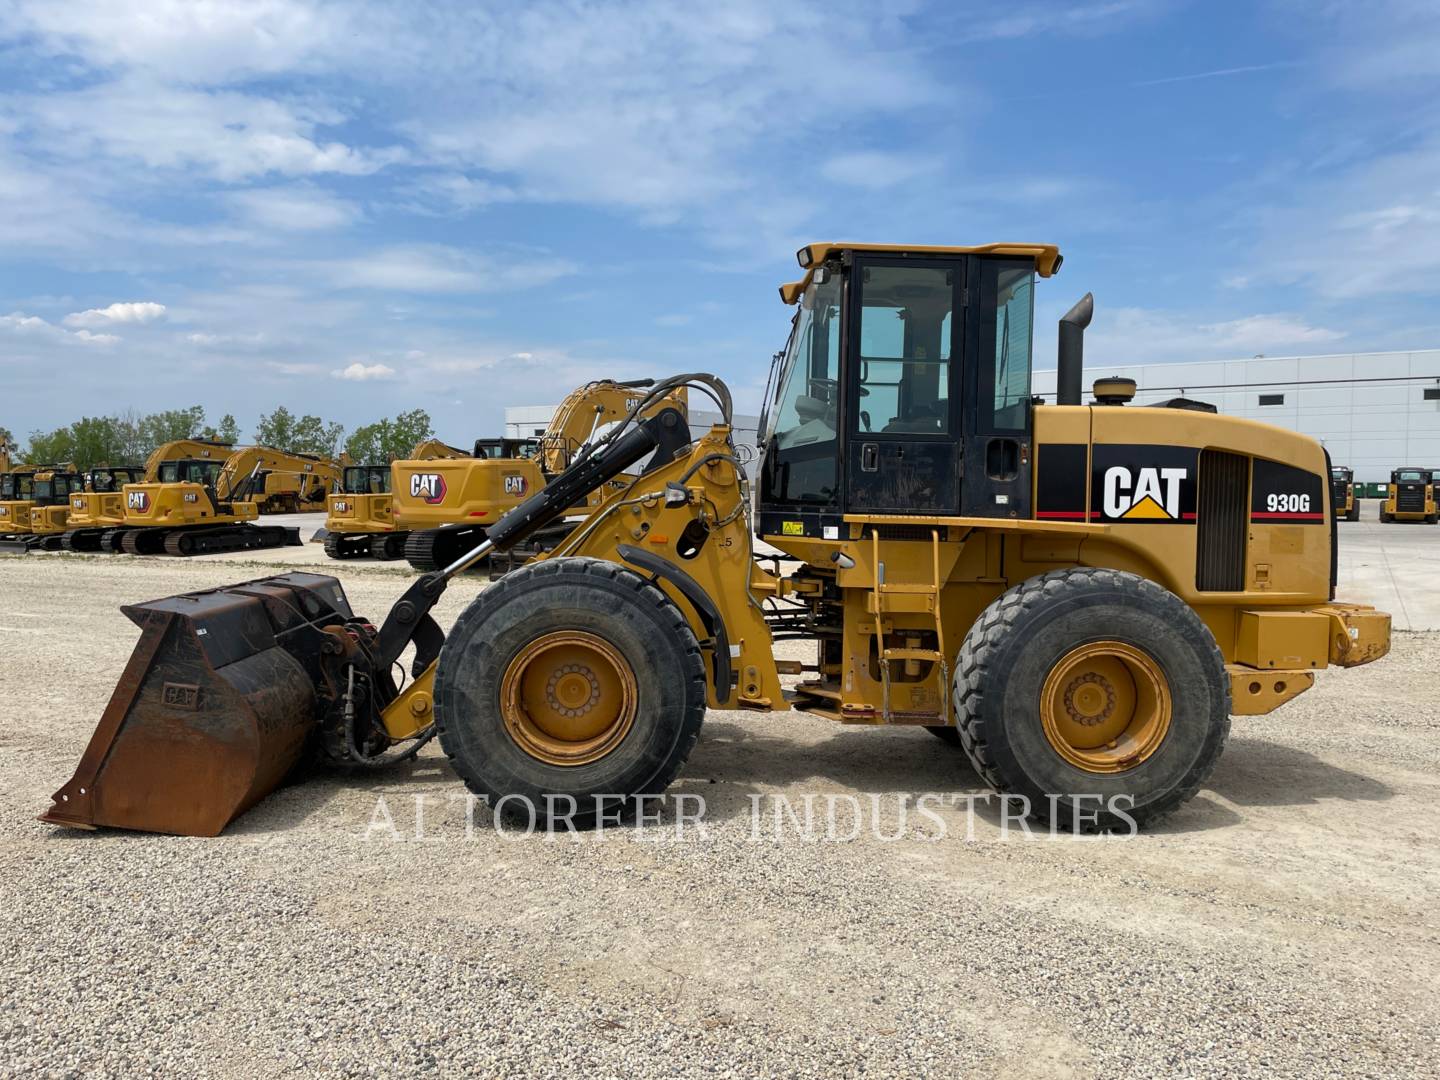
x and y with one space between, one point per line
1338 490
1221 521
1410 499
904 532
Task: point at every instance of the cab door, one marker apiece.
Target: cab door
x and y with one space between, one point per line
905 335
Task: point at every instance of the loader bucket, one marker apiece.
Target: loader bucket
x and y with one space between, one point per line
213 709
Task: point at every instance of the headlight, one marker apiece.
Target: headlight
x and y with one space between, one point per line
804 258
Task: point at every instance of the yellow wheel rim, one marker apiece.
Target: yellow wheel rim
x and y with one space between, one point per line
1106 707
568 698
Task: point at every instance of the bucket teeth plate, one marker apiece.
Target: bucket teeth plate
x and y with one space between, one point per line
213 710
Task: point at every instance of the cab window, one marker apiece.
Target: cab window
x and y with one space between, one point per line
802 456
906 321
1006 318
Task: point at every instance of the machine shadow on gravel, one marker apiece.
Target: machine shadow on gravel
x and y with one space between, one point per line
1255 772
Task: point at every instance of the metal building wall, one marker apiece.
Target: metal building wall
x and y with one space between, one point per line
1371 410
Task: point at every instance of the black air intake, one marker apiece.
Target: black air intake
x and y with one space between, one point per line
1221 525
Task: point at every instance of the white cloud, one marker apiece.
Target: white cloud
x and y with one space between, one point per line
225 134
436 268
1269 331
34 327
189 40
135 313
358 372
875 169
301 208
1140 335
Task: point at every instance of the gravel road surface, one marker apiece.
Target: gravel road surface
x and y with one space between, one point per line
1284 923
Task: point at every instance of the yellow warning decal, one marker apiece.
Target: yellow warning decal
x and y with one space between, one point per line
792 528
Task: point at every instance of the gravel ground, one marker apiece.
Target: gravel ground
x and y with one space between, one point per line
1282 924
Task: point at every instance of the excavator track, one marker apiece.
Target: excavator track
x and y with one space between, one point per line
347 545
82 540
388 547
110 539
430 549
217 539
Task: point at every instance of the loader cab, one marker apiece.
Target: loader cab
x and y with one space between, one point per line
904 388
366 480
18 486
505 449
113 478
53 489
193 471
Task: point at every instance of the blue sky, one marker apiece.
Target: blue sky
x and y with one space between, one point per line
354 208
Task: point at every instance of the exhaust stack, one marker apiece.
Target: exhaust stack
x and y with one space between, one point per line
1070 358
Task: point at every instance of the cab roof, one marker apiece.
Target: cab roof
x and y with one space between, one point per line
1047 257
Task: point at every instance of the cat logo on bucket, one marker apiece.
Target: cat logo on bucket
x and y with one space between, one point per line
428 486
515 484
1144 494
139 501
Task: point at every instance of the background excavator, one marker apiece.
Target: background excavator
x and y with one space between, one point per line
50 518
447 507
1079 594
200 506
26 489
98 513
360 518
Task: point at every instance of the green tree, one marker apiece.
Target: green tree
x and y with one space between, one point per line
385 440
306 434
163 427
51 446
227 431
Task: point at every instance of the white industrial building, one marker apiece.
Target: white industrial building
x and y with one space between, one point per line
1373 411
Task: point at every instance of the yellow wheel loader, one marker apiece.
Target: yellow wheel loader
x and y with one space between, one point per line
97 514
360 518
1083 593
23 491
1410 497
1344 501
448 508
199 506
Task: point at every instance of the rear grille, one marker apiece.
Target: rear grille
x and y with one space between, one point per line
1410 499
1221 521
1337 492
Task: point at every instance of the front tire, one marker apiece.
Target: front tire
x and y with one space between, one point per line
1096 694
569 679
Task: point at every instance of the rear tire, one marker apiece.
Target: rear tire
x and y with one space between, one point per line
1066 656
573 660
1353 514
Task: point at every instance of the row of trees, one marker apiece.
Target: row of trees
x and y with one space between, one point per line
131 436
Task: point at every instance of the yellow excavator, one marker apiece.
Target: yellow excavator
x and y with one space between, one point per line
201 506
1080 595
360 518
97 514
447 506
22 490
50 518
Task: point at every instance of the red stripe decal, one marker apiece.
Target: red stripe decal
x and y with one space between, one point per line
1265 515
1070 514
